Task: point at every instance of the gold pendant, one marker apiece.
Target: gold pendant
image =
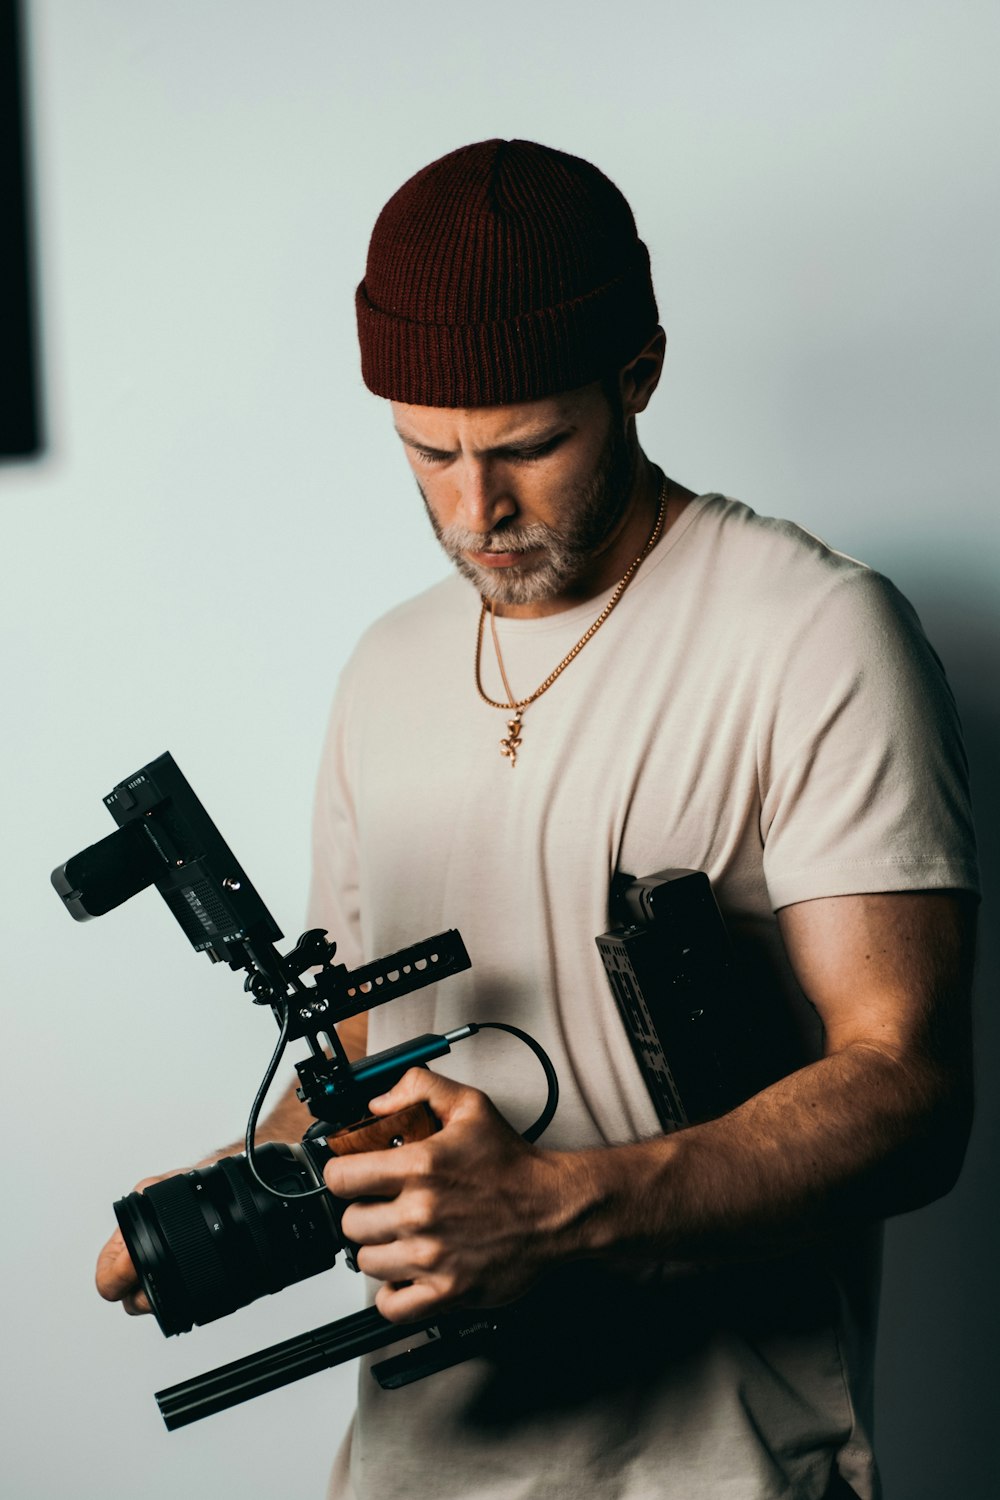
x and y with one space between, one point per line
512 743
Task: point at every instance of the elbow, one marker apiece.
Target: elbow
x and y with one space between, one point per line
930 1161
948 1147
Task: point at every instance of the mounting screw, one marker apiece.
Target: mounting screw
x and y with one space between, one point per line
231 884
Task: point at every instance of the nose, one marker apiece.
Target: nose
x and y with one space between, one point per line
484 497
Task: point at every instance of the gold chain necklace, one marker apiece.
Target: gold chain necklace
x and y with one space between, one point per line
510 746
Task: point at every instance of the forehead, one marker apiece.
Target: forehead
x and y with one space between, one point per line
478 428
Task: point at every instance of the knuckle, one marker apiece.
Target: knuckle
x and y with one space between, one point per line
407 1086
421 1162
479 1103
425 1255
388 1304
448 1288
418 1212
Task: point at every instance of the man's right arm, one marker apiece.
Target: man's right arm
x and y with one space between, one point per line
288 1121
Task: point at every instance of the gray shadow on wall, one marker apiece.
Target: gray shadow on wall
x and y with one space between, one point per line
938 1376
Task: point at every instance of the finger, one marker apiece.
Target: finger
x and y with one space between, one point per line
371 1223
136 1303
374 1174
442 1094
115 1275
408 1301
392 1263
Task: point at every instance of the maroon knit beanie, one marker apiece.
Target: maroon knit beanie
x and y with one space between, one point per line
504 272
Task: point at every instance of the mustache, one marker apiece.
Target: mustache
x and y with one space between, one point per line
503 539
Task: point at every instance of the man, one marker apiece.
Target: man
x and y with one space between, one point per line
637 678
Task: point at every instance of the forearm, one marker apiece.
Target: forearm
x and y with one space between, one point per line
474 1214
854 1137
289 1118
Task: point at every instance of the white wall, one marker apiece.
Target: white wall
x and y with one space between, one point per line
220 510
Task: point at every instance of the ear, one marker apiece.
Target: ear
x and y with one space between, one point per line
639 378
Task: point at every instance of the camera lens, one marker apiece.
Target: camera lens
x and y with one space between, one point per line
211 1240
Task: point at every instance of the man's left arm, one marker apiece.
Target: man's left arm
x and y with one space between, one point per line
877 1126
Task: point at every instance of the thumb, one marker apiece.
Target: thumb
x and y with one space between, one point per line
417 1084
115 1273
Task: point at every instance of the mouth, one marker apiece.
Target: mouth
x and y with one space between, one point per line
502 559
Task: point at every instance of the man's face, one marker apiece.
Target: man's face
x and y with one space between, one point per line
526 500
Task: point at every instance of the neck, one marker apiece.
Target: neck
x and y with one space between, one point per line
620 548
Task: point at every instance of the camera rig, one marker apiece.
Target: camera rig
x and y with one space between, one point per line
165 838
702 1040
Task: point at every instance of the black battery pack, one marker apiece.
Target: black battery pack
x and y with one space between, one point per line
703 1041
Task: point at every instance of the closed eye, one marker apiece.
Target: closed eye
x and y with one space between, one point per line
429 455
512 453
530 455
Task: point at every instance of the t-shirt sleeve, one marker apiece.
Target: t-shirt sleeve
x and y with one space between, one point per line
864 780
334 902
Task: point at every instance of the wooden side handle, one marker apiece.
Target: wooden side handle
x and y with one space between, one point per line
377 1132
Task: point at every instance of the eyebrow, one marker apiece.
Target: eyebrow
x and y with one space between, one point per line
525 442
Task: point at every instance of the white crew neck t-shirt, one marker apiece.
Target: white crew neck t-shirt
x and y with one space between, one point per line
761 708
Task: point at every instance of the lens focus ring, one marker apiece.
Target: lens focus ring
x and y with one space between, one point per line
234 1169
177 1204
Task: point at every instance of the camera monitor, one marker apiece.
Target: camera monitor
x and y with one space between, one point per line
167 839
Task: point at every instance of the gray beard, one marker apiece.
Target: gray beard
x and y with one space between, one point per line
567 550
